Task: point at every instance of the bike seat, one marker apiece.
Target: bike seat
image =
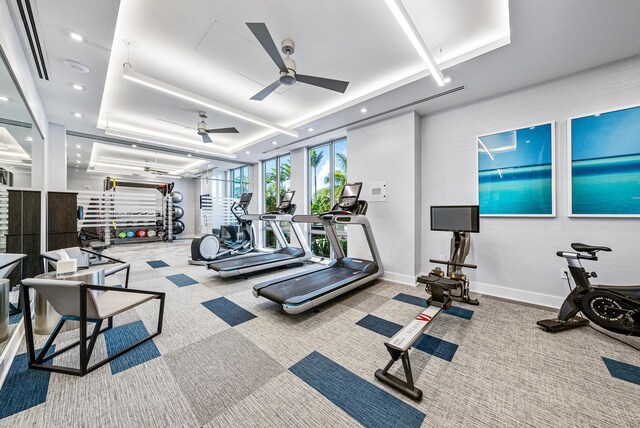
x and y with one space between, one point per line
626 290
584 248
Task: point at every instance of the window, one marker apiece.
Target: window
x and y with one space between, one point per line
239 181
277 181
327 177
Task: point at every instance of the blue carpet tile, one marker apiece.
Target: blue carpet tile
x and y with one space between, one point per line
623 371
181 280
363 401
15 319
118 338
157 264
228 311
23 388
429 344
419 301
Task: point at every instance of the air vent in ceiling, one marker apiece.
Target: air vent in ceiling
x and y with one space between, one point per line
31 34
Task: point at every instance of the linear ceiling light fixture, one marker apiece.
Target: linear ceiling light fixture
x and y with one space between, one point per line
116 131
196 99
409 28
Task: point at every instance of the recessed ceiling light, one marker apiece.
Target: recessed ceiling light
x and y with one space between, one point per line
4 99
189 155
28 139
75 36
209 165
78 155
310 129
134 146
364 110
274 142
197 151
77 161
78 146
248 152
78 114
78 87
448 79
77 170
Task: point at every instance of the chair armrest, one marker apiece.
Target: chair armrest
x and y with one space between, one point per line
35 281
101 255
22 257
123 290
117 268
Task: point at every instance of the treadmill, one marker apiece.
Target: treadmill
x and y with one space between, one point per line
285 256
301 292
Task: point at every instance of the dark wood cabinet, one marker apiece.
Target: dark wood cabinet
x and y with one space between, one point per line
62 231
23 235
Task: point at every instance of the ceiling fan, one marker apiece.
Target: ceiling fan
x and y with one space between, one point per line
287 66
204 132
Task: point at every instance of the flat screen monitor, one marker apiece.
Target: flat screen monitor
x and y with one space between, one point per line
245 199
287 197
460 218
351 190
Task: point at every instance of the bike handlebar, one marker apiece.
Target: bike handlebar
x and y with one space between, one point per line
443 262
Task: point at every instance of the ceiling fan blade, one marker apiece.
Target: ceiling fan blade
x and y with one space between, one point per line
206 138
266 91
231 130
334 85
260 31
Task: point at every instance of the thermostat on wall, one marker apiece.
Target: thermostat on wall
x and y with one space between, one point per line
376 191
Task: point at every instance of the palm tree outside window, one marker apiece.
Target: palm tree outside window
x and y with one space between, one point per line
327 177
277 181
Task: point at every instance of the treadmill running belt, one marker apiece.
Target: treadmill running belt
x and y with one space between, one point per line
301 285
247 261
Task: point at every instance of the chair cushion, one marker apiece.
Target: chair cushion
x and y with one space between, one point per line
112 303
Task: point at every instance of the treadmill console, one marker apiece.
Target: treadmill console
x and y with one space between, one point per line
349 202
285 203
245 200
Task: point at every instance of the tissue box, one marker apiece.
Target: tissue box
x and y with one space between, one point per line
67 266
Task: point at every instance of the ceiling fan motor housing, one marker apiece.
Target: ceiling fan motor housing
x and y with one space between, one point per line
288 77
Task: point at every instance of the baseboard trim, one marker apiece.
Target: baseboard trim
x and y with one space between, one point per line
399 277
517 295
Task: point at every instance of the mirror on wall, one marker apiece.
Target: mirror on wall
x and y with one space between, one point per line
20 200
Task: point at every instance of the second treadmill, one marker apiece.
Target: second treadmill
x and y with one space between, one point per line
298 293
285 256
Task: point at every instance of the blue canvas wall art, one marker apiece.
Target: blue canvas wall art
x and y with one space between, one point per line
605 164
515 172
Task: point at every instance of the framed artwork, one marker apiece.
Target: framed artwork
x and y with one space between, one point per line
604 164
516 172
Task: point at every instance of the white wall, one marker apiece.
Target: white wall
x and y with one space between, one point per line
516 256
57 146
389 151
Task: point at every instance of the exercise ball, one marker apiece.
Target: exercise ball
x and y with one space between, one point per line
151 233
122 235
176 197
130 234
141 233
178 227
178 212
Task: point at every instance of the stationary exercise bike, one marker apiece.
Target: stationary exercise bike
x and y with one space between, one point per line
613 307
231 240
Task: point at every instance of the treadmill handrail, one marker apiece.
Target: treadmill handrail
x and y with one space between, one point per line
275 217
250 217
307 218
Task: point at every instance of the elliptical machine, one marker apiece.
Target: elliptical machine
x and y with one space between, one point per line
613 307
231 240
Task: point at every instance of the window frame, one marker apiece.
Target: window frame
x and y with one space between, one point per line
277 159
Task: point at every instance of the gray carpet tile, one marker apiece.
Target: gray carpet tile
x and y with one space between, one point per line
505 370
285 401
219 371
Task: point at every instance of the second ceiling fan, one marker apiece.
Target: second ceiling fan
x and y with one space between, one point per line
204 132
287 66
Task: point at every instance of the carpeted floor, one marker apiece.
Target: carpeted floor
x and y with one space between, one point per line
226 358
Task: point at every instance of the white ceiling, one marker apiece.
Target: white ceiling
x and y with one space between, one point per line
204 47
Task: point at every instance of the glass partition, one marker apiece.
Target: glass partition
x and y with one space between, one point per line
20 200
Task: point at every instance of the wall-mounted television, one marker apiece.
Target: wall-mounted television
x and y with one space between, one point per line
456 218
